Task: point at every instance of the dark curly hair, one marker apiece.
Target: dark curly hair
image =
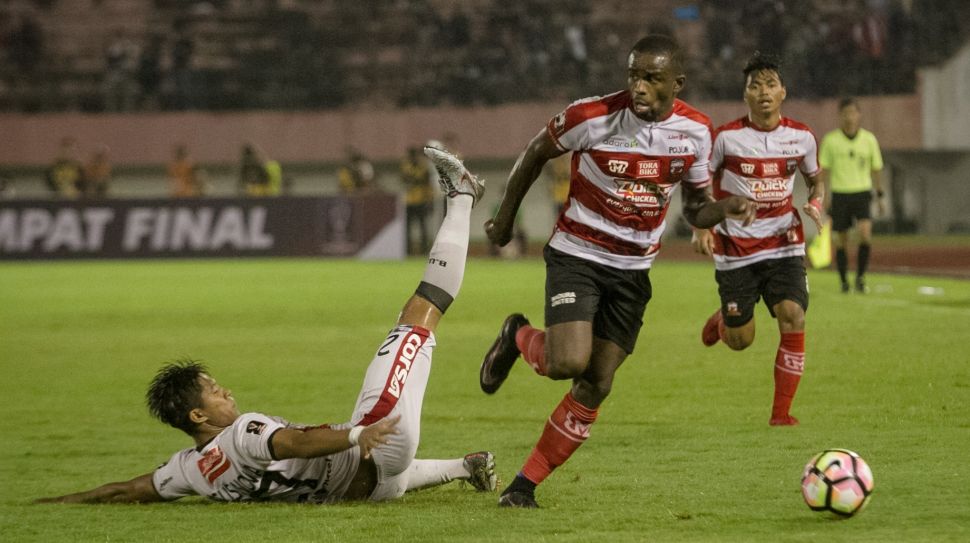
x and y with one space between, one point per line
760 62
659 43
175 391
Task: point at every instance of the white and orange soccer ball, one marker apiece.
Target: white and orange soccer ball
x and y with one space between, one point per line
838 481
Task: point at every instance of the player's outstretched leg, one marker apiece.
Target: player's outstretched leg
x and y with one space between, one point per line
713 329
477 469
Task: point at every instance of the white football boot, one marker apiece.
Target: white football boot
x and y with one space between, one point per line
453 177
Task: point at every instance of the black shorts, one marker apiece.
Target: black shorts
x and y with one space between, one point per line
848 207
772 280
580 290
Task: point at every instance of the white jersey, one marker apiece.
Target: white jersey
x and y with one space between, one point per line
238 465
624 171
760 165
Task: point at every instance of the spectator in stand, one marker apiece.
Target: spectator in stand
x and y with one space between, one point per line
418 200
357 175
184 176
149 73
181 75
119 89
26 44
253 177
97 174
65 175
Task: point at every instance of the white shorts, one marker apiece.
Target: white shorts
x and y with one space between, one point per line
394 385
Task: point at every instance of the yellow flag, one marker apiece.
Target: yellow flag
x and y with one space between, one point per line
820 249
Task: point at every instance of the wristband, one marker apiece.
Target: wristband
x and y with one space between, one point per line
816 203
355 434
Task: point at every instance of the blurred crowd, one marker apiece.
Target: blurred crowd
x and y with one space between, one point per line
116 55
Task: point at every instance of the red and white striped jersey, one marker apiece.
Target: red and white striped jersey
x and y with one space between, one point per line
624 172
760 165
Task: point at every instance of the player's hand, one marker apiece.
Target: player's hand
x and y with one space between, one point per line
702 241
498 232
880 207
740 208
813 208
376 434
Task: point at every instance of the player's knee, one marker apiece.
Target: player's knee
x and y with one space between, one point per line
565 367
738 339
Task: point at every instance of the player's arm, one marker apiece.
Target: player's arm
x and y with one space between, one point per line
289 443
702 211
816 198
138 490
527 169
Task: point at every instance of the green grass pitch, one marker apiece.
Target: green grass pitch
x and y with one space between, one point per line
681 452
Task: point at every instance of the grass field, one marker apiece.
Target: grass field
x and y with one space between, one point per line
682 450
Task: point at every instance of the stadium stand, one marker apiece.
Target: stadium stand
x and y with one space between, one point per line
76 55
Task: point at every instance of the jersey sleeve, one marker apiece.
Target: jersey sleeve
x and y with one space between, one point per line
569 129
717 154
699 174
810 164
252 433
170 478
876 153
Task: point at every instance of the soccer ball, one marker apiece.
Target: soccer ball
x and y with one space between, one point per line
838 481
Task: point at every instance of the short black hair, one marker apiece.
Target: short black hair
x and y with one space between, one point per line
847 101
660 43
175 391
760 62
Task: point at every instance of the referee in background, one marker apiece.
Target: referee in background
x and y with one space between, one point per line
851 157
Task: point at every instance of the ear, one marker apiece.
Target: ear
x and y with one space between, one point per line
198 416
784 92
679 83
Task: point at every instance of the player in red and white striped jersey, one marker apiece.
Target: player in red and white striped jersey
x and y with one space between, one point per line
252 456
757 157
630 151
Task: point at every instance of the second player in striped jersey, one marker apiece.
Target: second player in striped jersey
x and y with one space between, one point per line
757 157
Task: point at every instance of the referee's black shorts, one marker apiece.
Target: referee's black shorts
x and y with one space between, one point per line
848 207
772 280
581 290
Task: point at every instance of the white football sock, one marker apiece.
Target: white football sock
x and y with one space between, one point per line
446 262
426 473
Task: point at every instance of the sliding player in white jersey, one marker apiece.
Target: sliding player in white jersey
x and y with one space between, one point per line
252 456
630 151
757 157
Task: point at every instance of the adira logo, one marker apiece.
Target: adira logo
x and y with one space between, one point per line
402 366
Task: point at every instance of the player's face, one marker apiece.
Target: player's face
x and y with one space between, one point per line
764 93
849 118
653 84
217 403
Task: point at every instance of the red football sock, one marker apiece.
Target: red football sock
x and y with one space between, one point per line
532 344
565 431
789 364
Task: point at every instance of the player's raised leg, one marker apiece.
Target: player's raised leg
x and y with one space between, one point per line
397 377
